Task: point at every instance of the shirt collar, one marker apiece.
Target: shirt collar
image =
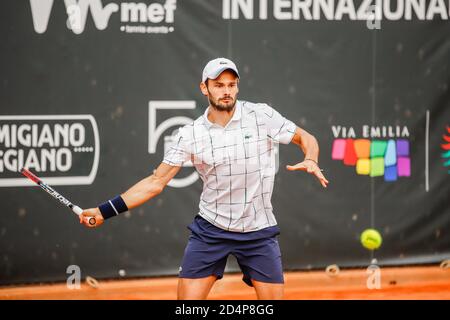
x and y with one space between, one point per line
236 116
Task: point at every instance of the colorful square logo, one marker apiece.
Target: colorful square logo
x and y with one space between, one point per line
376 158
446 147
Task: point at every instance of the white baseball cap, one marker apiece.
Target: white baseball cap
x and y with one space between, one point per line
215 67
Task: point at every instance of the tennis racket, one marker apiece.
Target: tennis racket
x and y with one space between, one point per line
76 209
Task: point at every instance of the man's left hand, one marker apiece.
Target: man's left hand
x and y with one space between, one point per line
310 167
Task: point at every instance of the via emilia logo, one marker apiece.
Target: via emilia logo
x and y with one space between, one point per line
381 151
446 148
135 17
62 149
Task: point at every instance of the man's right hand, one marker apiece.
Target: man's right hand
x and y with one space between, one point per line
88 213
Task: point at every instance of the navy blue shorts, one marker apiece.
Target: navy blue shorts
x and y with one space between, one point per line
257 253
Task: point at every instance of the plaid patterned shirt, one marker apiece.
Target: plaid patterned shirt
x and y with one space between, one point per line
236 164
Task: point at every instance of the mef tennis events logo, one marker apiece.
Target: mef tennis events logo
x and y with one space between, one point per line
62 149
379 151
446 148
135 17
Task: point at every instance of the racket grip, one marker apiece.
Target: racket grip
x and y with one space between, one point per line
78 211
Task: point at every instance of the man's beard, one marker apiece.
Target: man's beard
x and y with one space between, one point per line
223 106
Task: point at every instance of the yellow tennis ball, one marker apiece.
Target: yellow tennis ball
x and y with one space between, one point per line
371 239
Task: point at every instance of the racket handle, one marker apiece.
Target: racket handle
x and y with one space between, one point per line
78 211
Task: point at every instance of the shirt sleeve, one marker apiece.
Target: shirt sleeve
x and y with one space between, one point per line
279 129
177 150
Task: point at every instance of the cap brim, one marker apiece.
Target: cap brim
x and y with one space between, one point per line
219 71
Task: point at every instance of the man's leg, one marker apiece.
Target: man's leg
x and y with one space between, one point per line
268 291
260 262
203 263
195 289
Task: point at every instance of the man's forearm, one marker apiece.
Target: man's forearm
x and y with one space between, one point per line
311 147
142 191
308 143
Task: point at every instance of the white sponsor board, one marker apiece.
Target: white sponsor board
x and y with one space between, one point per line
61 149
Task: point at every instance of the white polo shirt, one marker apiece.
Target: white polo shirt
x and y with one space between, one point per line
236 164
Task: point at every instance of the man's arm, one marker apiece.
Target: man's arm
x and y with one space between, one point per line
141 192
310 147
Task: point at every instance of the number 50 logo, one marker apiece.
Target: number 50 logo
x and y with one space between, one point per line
155 132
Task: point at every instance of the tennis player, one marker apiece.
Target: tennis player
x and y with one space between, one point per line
232 146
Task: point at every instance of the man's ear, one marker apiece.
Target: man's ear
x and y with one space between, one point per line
203 88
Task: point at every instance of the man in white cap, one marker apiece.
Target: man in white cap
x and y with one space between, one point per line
232 148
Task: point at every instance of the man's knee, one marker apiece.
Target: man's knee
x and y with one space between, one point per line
268 291
195 289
